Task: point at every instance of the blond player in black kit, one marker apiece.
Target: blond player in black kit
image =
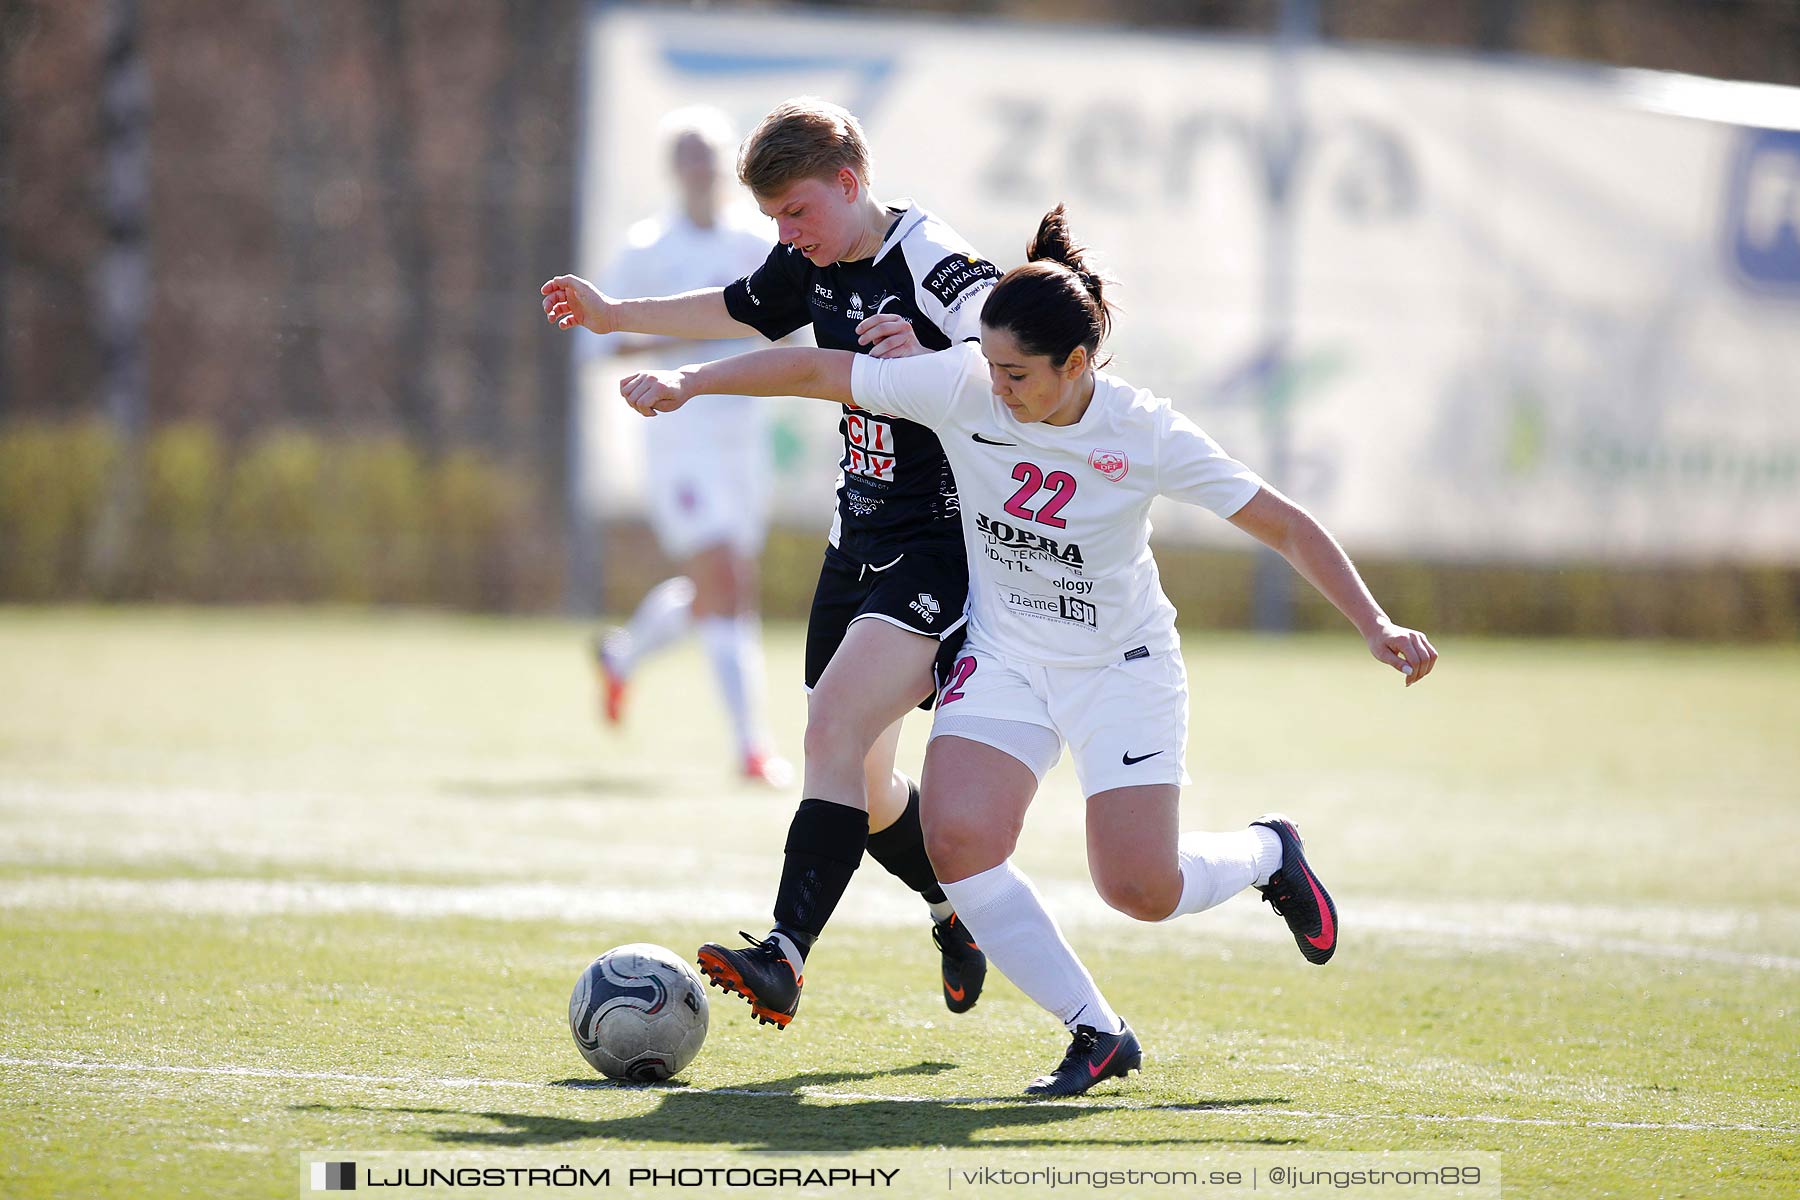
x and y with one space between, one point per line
886 280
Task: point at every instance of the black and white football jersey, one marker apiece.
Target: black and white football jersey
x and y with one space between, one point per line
896 491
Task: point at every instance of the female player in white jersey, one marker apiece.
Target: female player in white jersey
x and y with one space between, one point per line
706 474
1070 636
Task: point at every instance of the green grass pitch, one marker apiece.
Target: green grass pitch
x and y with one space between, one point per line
273 882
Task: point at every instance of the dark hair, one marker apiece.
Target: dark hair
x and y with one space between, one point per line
1054 302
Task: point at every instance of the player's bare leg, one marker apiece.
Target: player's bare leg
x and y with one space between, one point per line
878 674
1144 867
1131 835
885 788
976 799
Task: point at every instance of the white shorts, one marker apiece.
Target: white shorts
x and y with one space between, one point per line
1125 722
707 479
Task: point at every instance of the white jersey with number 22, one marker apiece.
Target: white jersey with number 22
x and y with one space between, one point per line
1057 518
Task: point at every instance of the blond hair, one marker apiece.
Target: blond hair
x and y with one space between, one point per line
803 138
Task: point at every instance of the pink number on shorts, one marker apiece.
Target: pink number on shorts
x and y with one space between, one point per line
959 675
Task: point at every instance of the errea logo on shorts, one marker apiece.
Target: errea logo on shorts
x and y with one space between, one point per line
926 606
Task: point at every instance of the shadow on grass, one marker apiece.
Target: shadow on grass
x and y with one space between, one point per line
777 1115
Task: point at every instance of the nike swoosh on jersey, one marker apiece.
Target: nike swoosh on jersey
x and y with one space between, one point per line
1129 761
990 441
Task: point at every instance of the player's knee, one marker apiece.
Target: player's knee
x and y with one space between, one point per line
962 843
834 734
1138 895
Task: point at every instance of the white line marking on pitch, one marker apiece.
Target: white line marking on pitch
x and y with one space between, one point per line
1502 923
54 1064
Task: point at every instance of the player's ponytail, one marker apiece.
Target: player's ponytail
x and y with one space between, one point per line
1055 302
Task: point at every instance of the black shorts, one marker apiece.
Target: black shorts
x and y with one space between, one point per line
920 592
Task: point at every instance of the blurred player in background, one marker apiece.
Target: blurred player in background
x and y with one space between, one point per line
1071 638
884 280
708 473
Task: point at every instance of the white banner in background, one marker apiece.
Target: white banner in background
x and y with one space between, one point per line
1531 316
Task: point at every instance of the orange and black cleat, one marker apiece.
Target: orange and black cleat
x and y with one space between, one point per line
760 973
965 966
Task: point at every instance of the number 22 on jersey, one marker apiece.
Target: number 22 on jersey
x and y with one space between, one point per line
1032 480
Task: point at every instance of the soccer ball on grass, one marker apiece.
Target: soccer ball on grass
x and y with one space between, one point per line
639 1013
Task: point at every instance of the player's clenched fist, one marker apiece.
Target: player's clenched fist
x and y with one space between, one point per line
651 392
1406 650
570 300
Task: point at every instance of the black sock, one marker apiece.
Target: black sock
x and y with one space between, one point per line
824 845
901 849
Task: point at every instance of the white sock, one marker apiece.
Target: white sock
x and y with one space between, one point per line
941 910
1013 928
735 646
1217 866
1268 854
795 959
662 617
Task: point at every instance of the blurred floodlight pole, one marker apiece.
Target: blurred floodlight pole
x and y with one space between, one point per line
6 199
124 274
125 268
1273 590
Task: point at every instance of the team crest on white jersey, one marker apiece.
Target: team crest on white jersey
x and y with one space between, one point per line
1110 463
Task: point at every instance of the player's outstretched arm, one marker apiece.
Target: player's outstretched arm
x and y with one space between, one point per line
571 301
1291 531
784 371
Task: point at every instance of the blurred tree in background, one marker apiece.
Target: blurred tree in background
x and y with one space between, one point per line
348 209
345 201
